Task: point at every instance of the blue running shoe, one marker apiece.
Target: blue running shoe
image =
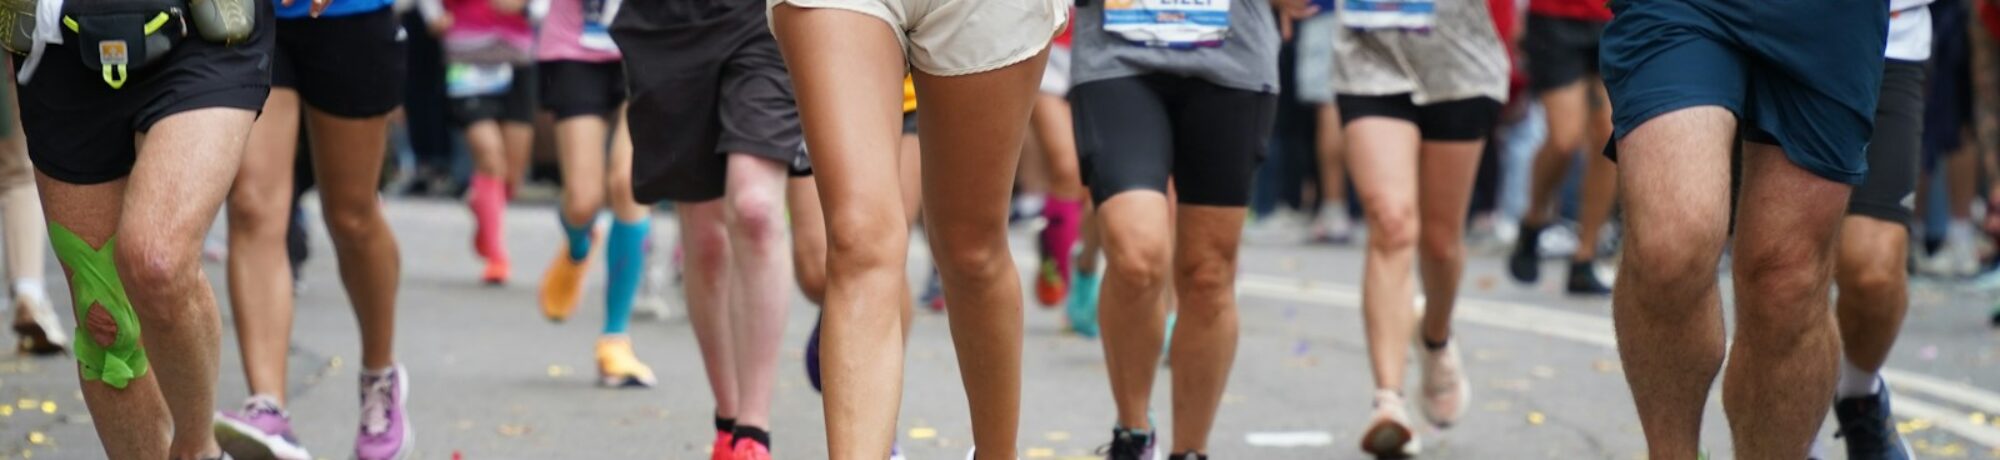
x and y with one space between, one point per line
1082 307
1867 426
812 355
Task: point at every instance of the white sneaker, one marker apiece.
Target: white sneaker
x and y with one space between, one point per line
1389 434
1443 392
36 326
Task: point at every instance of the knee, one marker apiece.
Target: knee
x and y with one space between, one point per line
1782 287
355 217
153 267
1441 243
706 246
868 242
618 188
1672 259
1873 276
1206 279
753 215
257 218
579 207
809 269
1392 226
1140 261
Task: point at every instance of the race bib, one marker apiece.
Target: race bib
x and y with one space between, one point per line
597 16
1168 23
1388 14
468 80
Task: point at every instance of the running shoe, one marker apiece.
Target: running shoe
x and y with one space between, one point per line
1082 307
1995 320
1389 434
384 434
1866 425
722 448
1051 284
1131 445
1333 226
812 354
39 330
751 450
933 296
1583 280
261 430
656 287
1445 391
1167 339
618 367
1525 263
1188 456
896 452
496 273
562 286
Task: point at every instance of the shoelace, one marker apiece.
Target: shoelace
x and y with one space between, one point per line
375 404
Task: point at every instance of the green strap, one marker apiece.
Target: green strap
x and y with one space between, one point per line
94 282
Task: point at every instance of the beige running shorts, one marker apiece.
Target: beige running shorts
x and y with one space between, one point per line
960 37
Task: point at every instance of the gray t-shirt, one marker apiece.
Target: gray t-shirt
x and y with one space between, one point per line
1247 59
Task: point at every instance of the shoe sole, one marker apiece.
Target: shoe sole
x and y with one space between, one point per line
409 434
35 340
244 442
622 382
1388 440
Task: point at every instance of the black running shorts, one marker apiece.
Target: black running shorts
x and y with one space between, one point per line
81 131
1134 133
1889 191
517 105
577 88
706 81
347 66
1559 51
1450 121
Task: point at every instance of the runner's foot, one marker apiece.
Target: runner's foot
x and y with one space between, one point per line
1131 445
39 330
1583 280
562 286
724 446
933 296
1333 226
384 434
262 430
618 367
1866 425
1525 263
496 273
1389 434
1444 391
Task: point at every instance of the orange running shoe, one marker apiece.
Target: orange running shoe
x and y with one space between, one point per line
618 367
562 286
496 272
1051 285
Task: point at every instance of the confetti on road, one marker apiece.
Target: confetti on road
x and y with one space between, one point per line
37 438
48 407
514 431
1536 418
556 371
26 404
1056 436
1041 452
921 433
1543 372
1605 366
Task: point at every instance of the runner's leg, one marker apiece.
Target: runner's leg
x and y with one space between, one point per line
1204 350
1785 336
753 213
847 69
1383 153
260 274
706 240
1445 174
348 163
1674 174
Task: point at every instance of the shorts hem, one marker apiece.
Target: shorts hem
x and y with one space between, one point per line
246 97
777 154
902 37
1892 213
1619 131
82 179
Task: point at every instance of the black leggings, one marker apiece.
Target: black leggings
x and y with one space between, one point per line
1134 133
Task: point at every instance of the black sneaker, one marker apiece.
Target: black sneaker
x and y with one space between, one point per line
1189 455
1525 263
1130 445
1866 426
1583 280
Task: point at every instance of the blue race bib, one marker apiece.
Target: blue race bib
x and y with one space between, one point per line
1388 14
1168 23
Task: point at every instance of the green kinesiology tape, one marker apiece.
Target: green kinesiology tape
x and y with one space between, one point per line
94 282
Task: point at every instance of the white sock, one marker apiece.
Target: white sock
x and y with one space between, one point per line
30 288
1959 232
1855 382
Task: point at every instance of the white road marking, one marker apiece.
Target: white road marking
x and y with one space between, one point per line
1290 439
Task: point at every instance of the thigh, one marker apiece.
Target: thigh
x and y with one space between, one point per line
851 95
1382 149
183 171
974 125
1659 59
1787 214
1675 175
1124 137
1219 137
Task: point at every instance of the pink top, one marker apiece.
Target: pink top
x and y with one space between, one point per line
476 21
565 35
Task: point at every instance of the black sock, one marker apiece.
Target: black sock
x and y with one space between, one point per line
1189 455
725 425
747 432
1435 346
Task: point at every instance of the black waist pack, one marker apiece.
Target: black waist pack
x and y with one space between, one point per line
120 37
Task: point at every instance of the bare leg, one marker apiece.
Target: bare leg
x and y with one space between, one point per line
1874 288
1674 170
1204 339
973 125
347 158
1058 141
1779 383
706 240
1568 114
580 149
260 274
848 70
1445 172
1383 153
1600 177
519 139
808 238
754 216
1329 145
1139 246
618 175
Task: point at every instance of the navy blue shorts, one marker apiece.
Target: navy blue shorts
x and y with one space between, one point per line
1802 75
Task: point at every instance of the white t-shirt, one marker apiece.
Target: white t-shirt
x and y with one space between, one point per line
1909 30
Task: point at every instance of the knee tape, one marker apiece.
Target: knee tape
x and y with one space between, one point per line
94 282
